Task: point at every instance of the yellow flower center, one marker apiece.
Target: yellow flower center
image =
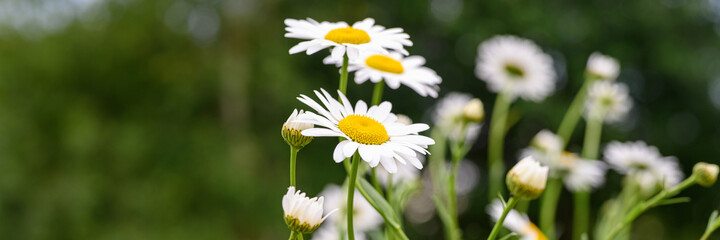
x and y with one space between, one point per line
532 229
348 35
385 64
514 70
363 130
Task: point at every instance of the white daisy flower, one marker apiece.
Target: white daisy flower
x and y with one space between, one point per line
602 66
643 164
527 179
395 70
516 66
331 232
610 98
448 115
365 217
303 214
515 221
362 36
545 147
372 132
581 174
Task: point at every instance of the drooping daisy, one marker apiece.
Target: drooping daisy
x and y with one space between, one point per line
609 98
602 67
643 164
516 222
362 36
372 132
365 217
516 66
303 214
581 174
545 147
395 71
448 115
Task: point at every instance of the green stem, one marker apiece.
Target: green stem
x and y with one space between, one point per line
572 116
497 137
496 229
344 75
378 92
593 132
376 98
293 160
293 235
581 213
653 202
351 195
548 206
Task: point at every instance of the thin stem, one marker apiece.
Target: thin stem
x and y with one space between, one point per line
497 137
653 202
376 98
351 195
293 160
548 208
300 236
581 213
496 229
344 75
591 145
572 116
378 92
293 235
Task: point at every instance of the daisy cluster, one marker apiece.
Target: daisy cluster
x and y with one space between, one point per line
384 153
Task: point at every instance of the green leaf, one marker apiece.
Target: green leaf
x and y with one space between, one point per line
673 201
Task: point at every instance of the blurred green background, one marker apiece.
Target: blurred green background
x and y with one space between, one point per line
160 119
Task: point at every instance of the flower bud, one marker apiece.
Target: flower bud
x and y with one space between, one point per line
473 111
303 214
603 67
527 179
291 130
705 173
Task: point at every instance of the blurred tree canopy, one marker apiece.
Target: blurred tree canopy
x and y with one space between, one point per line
159 119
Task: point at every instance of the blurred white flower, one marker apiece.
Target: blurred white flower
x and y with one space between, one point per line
361 37
609 98
527 179
643 164
578 174
516 66
372 132
516 222
332 232
406 173
448 115
602 66
365 217
303 214
395 70
403 119
582 174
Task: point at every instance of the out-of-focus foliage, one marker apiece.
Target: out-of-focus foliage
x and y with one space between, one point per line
159 119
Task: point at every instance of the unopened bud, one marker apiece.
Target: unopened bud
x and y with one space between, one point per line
527 179
473 111
291 130
705 173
